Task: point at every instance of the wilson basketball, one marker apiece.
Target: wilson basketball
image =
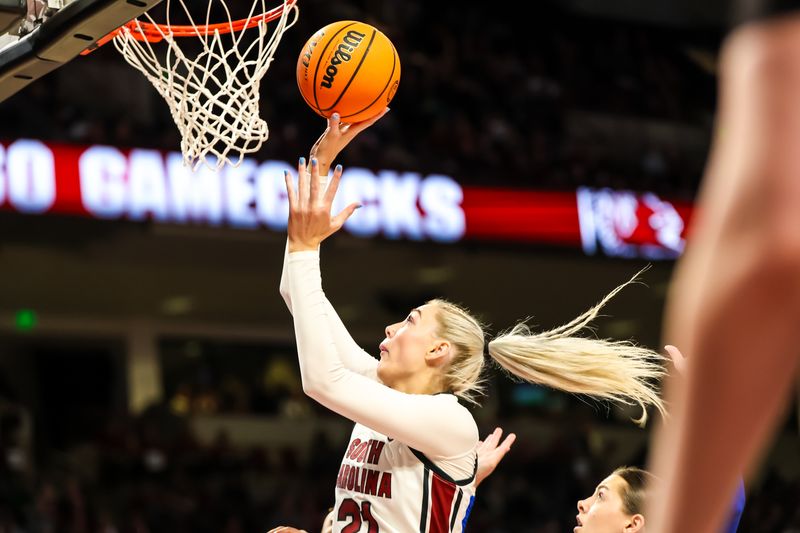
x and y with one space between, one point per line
350 68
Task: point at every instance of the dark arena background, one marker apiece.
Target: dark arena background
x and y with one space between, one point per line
529 164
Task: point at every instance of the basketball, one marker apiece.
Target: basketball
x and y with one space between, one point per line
350 68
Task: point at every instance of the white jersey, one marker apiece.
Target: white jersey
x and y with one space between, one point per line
410 465
385 486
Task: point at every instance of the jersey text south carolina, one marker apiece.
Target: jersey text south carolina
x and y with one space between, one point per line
360 478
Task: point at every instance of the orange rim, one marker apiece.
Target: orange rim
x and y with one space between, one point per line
154 33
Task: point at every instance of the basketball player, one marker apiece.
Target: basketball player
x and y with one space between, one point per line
490 452
618 503
735 301
412 456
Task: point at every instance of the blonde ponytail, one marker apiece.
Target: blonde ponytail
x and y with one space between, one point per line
464 375
618 371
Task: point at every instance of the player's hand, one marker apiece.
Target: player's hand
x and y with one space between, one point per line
310 220
287 529
336 136
491 452
678 359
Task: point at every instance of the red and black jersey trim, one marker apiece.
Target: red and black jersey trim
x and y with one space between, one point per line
438 512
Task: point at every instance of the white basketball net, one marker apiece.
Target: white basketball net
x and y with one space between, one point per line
213 97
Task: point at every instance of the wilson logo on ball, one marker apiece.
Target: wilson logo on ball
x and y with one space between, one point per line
342 53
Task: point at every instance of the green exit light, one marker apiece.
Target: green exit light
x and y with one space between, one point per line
25 319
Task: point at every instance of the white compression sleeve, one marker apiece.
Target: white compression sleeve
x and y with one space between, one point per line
436 425
352 355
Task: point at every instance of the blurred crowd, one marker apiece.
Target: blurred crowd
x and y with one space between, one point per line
149 474
183 465
545 101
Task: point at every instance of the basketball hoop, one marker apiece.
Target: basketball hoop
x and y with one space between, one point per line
214 96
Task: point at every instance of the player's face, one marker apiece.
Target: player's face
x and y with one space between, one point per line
603 512
406 343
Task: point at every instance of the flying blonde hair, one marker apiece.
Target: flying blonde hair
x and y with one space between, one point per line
617 371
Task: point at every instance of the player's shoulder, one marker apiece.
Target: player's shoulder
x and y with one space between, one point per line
451 400
457 409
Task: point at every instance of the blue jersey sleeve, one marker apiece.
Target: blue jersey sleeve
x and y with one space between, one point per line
736 510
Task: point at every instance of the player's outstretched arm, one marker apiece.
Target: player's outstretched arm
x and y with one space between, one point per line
332 141
436 425
734 304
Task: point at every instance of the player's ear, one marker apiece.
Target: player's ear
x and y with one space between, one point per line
438 353
635 524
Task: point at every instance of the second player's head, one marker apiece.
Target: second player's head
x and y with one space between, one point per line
617 504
